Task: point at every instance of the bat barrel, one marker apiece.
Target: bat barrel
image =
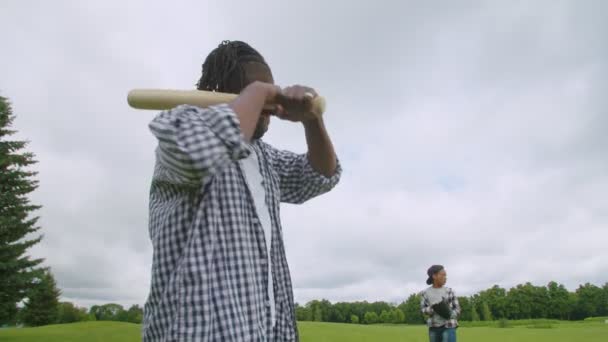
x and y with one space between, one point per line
162 99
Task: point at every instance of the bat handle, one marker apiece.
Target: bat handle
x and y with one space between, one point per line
318 105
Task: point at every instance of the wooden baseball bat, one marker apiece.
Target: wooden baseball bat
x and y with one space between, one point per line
161 99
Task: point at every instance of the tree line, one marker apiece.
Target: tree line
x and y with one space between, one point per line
42 307
67 312
524 301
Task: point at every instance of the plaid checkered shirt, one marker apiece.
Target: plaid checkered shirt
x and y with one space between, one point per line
209 268
433 319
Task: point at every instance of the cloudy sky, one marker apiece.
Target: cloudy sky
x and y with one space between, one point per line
472 134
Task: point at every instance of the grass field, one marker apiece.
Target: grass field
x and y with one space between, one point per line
327 332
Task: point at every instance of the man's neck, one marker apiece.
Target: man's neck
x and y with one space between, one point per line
437 286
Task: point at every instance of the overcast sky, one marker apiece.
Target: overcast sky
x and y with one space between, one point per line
471 133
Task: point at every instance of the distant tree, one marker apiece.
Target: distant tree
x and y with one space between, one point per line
371 317
90 317
604 307
318 314
558 307
496 299
108 312
411 309
474 314
327 314
520 302
85 316
95 311
385 317
135 314
378 307
465 308
343 312
354 319
572 305
397 316
359 309
70 313
122 316
589 301
315 311
303 313
540 301
486 314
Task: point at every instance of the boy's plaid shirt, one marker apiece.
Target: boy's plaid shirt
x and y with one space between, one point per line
434 320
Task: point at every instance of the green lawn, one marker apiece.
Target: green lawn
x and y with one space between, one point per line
326 332
75 332
323 332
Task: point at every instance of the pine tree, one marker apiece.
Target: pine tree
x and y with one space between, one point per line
17 270
42 305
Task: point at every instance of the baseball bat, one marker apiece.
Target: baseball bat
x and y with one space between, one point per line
161 99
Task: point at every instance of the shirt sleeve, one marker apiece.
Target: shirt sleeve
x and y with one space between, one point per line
454 304
425 306
299 181
194 143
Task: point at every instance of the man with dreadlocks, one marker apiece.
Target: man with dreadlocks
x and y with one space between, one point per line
219 271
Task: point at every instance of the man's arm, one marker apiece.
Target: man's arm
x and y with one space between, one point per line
321 154
194 143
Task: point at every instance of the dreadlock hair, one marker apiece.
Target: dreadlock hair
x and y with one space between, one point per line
223 70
